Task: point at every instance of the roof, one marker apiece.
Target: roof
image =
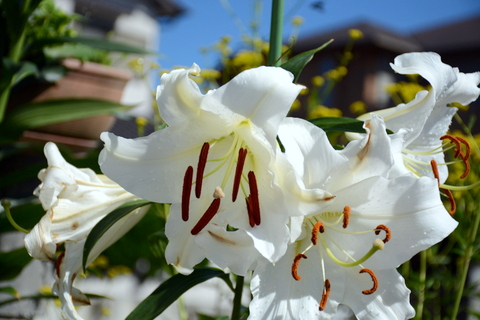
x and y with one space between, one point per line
372 34
459 36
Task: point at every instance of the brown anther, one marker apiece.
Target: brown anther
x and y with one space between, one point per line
318 227
467 148
346 216
251 221
374 279
295 263
388 234
207 216
467 169
252 182
325 295
451 199
242 155
202 162
436 174
186 192
455 141
467 165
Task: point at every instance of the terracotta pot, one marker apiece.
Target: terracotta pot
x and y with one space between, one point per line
85 80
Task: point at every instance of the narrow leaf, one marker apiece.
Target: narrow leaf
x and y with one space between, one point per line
11 291
296 64
47 112
106 223
169 291
339 124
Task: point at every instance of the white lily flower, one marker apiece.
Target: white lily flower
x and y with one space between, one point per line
350 246
427 118
75 201
216 163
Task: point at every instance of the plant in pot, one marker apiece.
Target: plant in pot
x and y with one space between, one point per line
41 85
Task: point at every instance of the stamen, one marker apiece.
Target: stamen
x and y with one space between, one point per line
186 192
218 193
388 234
202 161
242 155
251 221
467 147
436 174
325 295
453 140
318 227
453 205
467 165
346 216
207 216
295 263
374 279
252 182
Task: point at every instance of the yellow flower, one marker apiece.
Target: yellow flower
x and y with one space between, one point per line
318 81
323 111
358 107
355 34
297 21
296 105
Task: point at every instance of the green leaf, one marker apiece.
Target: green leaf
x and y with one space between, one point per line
296 64
102 44
12 263
11 291
38 114
339 124
169 291
106 223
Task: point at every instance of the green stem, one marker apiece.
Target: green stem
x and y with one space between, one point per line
466 264
276 33
237 299
6 206
421 288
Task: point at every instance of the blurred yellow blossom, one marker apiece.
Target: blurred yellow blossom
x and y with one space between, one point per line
297 21
118 270
323 111
303 92
318 81
358 107
355 34
296 105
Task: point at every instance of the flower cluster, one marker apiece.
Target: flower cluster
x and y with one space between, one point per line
251 189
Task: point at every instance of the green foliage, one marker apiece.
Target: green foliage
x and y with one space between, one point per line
106 223
296 64
171 290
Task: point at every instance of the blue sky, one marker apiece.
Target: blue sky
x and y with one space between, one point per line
206 21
